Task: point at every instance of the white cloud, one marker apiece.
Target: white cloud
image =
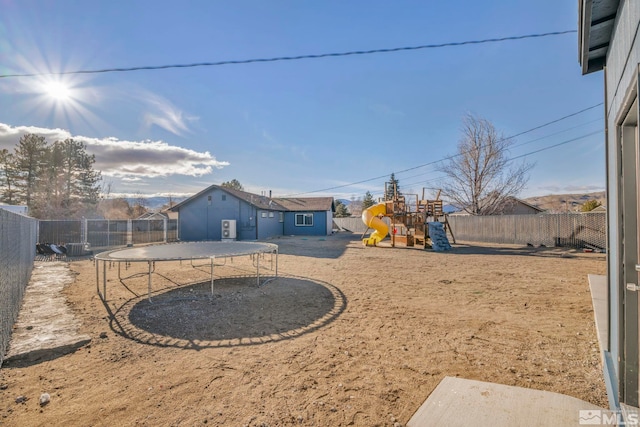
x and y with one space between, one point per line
130 160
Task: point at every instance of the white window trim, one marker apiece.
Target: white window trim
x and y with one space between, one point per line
303 222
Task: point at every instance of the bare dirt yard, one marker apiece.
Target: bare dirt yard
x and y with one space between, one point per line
346 335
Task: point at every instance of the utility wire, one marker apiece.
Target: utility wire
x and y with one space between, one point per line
449 157
294 58
521 155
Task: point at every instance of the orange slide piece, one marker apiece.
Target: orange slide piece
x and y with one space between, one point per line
370 217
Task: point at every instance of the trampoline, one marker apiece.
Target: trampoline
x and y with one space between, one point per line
188 251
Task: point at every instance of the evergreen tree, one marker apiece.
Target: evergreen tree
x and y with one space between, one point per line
368 201
234 184
341 210
393 187
589 205
56 181
29 157
7 178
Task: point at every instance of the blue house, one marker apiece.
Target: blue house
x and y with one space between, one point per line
218 213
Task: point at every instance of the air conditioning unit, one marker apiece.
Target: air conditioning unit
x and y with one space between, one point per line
228 229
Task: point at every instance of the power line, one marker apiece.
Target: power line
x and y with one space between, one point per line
449 157
295 58
521 155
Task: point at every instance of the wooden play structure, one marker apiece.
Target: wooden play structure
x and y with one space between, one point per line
409 219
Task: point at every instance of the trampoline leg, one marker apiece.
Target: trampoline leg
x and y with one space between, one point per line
97 277
150 272
104 279
212 260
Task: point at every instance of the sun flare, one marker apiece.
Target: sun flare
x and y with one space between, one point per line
58 91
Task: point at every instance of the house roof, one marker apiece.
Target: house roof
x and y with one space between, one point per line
512 199
307 203
596 21
528 204
268 203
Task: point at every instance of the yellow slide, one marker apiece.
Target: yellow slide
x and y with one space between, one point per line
371 220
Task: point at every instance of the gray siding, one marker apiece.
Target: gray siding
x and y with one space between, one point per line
621 68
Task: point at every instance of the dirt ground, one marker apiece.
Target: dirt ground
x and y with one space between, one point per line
346 335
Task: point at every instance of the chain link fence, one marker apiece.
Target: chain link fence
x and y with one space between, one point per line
103 234
18 237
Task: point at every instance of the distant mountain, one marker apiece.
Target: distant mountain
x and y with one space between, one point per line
566 202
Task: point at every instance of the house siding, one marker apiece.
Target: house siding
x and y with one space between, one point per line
201 219
269 224
257 217
621 69
319 227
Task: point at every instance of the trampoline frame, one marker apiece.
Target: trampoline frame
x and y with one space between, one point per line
158 253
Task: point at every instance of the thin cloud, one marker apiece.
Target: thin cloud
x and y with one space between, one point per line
130 160
165 115
570 189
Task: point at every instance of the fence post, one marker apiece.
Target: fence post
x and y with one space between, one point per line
129 233
164 227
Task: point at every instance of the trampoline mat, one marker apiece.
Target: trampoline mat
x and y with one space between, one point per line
187 250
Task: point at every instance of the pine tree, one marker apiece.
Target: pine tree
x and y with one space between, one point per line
393 187
56 181
234 184
29 157
341 210
8 172
368 201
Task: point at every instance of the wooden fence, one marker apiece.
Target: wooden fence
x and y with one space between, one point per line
577 230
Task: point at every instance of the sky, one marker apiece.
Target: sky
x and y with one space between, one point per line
331 126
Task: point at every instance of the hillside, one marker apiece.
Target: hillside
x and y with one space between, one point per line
566 202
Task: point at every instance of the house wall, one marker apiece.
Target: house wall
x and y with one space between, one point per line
520 209
319 227
269 224
201 218
621 68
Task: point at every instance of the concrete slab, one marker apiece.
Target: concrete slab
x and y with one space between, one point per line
462 402
598 286
46 327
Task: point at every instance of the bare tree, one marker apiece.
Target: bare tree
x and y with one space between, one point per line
481 178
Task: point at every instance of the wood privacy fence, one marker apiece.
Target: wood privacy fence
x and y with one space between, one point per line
576 230
17 252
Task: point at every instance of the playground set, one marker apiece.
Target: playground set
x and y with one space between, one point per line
419 222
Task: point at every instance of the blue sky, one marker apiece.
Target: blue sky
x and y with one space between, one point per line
308 127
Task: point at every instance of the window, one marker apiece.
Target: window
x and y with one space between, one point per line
304 220
280 216
263 214
270 214
224 197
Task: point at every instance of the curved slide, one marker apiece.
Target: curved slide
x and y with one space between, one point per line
371 220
